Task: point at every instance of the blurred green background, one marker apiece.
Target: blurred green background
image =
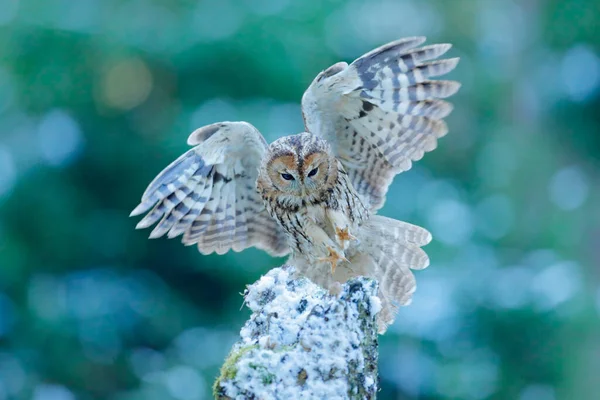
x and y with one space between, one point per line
97 96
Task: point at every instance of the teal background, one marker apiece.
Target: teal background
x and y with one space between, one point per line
97 96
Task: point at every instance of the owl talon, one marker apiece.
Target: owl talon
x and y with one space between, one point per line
343 236
334 258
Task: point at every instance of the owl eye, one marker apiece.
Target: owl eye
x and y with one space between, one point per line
313 172
287 177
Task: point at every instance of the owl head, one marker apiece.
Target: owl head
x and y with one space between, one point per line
298 168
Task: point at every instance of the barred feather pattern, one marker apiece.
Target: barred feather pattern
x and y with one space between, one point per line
311 195
209 195
387 250
296 221
382 112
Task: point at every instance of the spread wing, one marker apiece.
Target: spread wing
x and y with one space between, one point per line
209 194
382 112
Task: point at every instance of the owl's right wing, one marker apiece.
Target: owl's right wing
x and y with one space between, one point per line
381 112
209 194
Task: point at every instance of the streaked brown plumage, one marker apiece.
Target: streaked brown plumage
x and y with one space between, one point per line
314 195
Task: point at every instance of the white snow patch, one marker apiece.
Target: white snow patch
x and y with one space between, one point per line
375 305
302 341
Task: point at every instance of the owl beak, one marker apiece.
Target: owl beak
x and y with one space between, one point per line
303 188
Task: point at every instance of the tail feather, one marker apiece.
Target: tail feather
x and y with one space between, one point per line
395 231
388 312
386 250
395 248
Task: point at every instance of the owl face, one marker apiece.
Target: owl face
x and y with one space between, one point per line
298 167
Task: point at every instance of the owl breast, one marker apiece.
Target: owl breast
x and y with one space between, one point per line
316 214
310 223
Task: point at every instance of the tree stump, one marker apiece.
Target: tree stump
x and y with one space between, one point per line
302 342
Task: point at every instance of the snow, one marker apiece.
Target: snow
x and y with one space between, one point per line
375 304
302 342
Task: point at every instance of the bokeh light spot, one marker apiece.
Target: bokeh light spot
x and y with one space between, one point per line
433 313
580 70
13 375
8 176
359 25
8 11
59 138
474 378
203 347
432 192
211 111
283 119
126 84
47 297
402 207
185 383
145 361
451 222
503 29
569 188
511 288
411 369
83 15
215 20
52 392
556 284
537 392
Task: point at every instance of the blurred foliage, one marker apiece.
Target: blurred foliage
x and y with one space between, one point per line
97 96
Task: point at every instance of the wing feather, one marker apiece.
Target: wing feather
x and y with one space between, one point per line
175 213
382 112
215 234
194 205
208 194
208 217
240 238
230 217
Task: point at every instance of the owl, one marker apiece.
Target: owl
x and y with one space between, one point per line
315 195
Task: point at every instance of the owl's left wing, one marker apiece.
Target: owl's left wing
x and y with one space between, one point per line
209 194
381 112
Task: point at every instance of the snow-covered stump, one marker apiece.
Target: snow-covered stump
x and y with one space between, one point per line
303 343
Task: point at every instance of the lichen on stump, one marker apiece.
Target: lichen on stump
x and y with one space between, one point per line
302 342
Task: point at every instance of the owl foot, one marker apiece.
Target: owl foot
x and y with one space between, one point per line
334 258
343 236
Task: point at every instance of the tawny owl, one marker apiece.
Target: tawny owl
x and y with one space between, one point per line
314 195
